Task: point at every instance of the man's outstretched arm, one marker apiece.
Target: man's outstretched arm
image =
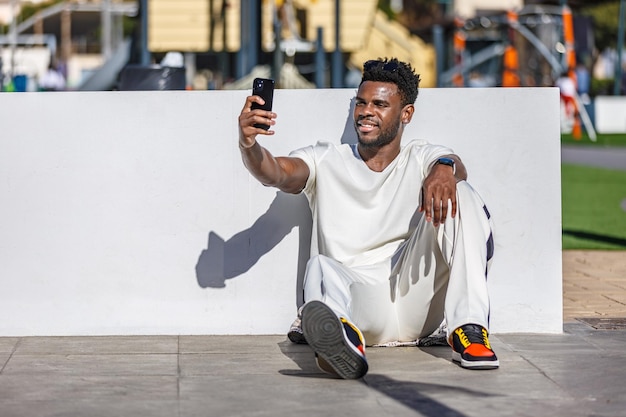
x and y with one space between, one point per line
285 173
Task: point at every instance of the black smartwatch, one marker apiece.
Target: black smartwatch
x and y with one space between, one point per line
447 161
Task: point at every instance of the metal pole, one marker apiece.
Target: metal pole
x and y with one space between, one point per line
277 57
105 38
145 53
337 78
617 89
223 55
13 37
66 34
320 63
242 55
439 51
255 34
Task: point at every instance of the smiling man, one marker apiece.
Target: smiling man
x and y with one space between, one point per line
401 242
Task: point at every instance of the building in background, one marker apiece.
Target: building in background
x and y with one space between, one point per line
223 42
77 36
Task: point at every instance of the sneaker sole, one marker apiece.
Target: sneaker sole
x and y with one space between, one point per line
478 365
324 333
296 337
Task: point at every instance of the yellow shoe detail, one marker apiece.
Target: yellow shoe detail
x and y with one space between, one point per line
462 337
485 339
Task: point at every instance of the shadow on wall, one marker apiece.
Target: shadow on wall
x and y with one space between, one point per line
223 260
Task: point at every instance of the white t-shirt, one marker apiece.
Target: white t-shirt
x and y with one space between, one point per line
360 216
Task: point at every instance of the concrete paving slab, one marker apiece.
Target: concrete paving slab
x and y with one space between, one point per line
98 345
41 388
230 344
594 284
91 407
260 363
53 365
7 344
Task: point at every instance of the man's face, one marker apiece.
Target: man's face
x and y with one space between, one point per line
378 114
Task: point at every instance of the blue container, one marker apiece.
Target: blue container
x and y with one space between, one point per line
20 82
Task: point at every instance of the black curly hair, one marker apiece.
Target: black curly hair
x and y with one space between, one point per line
391 70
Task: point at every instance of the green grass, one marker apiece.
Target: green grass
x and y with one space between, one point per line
593 204
601 140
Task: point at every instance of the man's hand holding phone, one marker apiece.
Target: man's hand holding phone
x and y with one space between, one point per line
257 116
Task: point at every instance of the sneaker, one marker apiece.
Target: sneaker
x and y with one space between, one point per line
437 338
295 333
339 346
470 347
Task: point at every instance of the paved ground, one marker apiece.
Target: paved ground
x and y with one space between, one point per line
594 284
581 372
608 158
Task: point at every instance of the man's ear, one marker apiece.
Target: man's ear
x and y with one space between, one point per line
407 113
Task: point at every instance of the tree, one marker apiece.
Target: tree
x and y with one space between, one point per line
605 20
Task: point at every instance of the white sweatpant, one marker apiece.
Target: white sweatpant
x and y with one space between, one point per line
437 273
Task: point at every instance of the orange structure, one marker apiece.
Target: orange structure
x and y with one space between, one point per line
458 42
570 54
510 75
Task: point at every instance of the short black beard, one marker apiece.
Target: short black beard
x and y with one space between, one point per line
385 138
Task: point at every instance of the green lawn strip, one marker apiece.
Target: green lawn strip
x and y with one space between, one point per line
601 140
592 200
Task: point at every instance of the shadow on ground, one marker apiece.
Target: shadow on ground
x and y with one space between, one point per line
596 237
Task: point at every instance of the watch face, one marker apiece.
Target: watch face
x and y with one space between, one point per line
446 161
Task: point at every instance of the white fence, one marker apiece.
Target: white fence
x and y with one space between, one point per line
610 114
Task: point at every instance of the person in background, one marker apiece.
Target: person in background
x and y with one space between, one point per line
52 80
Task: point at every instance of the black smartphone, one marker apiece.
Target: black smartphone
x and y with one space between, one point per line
264 88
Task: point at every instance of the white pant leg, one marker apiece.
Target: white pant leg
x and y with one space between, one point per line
438 271
329 281
361 295
467 298
442 271
419 283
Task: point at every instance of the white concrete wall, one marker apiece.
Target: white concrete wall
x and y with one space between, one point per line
131 213
610 114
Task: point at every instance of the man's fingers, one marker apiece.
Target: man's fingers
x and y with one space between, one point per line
436 209
439 191
247 106
443 211
453 213
263 118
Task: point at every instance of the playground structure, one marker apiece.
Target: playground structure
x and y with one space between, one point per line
531 47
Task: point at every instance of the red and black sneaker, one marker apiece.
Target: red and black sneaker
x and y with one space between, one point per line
338 345
470 347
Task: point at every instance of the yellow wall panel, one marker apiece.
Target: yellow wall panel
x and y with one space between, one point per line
185 25
356 21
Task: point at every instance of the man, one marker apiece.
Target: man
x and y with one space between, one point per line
401 240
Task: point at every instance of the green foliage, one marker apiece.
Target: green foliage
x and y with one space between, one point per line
592 205
385 6
129 24
605 18
602 87
30 9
